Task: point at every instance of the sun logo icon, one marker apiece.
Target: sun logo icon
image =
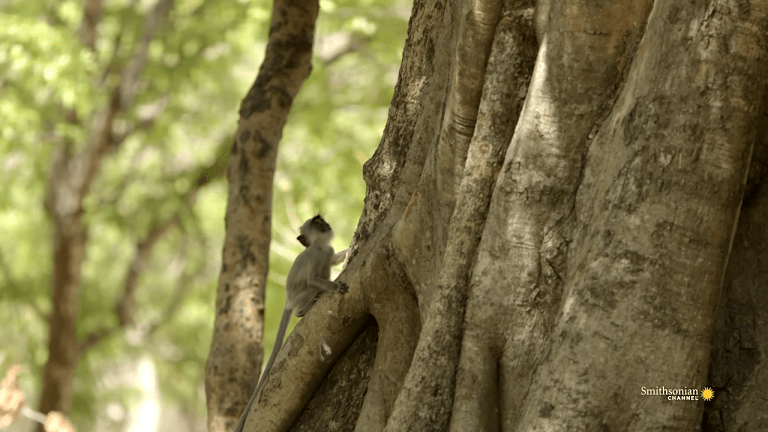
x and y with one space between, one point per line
707 394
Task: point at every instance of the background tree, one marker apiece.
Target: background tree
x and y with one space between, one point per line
542 239
134 102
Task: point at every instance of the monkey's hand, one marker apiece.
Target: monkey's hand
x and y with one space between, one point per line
341 287
320 284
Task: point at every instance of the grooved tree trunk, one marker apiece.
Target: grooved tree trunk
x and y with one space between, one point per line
548 226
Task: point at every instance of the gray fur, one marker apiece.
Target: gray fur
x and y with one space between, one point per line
309 276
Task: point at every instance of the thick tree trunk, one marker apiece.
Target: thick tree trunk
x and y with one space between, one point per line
541 242
737 371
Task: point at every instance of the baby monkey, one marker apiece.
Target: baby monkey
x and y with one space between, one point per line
309 276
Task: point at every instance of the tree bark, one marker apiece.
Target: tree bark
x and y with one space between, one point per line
235 355
542 239
740 337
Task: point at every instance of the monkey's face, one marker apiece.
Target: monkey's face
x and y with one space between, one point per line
319 224
315 230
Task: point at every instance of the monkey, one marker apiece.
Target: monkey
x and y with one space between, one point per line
309 276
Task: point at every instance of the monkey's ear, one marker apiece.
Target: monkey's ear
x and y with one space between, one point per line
303 240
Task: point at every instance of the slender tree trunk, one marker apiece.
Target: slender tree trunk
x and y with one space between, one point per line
548 223
68 183
236 355
72 174
68 254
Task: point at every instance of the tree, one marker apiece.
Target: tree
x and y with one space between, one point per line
549 223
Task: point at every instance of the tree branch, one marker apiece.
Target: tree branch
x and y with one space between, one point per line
124 306
91 17
131 74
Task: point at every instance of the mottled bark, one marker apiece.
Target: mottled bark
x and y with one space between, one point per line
488 36
234 361
652 226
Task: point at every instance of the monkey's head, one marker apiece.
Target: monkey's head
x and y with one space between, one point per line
315 230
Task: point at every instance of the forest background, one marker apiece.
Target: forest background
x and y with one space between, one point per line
141 115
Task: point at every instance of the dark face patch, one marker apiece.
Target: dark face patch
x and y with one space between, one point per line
319 224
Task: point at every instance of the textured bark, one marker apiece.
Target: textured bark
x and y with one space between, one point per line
737 370
653 221
425 401
234 360
347 382
541 242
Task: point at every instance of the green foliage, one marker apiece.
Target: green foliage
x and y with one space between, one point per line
198 67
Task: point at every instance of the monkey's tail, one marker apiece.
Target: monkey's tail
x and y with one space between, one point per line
284 320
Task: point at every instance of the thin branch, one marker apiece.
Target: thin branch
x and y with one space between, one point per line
124 306
131 74
91 17
213 171
179 292
146 124
111 64
335 46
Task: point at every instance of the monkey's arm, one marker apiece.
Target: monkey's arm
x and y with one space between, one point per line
339 257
